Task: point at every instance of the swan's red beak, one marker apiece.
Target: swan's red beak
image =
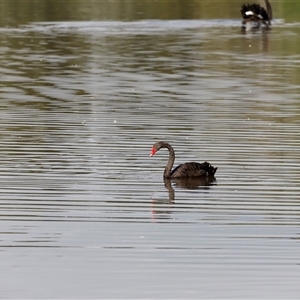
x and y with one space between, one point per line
153 151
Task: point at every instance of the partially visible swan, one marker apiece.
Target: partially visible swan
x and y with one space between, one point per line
254 15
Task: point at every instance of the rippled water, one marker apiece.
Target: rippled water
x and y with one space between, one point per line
85 212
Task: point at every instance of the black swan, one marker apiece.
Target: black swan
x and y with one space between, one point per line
186 170
256 14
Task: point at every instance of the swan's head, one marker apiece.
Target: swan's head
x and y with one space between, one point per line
157 146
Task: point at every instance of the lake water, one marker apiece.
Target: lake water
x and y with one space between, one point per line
85 212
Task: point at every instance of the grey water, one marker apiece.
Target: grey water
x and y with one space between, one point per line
85 212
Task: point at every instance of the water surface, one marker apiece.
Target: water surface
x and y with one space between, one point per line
85 212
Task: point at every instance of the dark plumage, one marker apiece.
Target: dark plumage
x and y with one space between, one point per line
254 13
186 170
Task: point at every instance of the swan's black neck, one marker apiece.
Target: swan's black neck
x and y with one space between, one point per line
170 163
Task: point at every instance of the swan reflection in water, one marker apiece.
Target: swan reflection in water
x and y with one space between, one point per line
189 184
162 208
